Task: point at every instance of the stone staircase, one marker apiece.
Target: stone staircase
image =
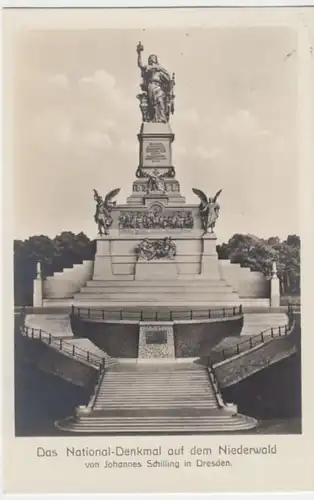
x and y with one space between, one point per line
124 292
159 398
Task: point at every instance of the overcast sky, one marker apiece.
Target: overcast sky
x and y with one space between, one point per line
77 119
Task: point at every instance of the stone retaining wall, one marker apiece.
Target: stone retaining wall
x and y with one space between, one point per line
238 368
121 340
197 339
57 363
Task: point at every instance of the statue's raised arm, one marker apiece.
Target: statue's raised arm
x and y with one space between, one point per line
139 50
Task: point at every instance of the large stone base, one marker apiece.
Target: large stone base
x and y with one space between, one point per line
191 279
163 269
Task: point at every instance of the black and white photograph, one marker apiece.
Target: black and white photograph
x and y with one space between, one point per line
156 232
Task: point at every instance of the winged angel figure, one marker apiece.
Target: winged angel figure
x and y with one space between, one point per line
209 210
103 209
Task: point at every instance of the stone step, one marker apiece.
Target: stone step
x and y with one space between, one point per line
131 302
155 290
174 375
187 281
221 423
171 396
156 388
106 403
157 286
206 299
150 387
196 386
152 382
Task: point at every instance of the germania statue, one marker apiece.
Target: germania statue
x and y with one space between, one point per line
157 99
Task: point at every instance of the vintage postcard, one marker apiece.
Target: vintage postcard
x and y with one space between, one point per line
157 207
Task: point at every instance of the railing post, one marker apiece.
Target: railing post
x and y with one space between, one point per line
262 336
39 334
238 349
49 339
224 312
141 314
234 311
272 332
72 309
251 344
209 314
32 333
73 350
87 356
191 314
170 315
223 354
156 316
60 344
121 314
88 312
279 328
240 309
103 314
286 329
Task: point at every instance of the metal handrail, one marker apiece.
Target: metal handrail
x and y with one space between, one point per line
67 347
252 341
162 315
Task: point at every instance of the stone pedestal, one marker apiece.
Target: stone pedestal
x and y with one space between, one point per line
102 263
38 293
155 157
163 269
156 341
155 145
209 264
38 287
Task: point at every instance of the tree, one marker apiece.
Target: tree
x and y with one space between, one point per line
258 254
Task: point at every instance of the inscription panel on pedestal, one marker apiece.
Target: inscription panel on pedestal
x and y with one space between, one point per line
156 153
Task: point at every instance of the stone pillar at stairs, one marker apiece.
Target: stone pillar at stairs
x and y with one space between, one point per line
38 288
274 287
